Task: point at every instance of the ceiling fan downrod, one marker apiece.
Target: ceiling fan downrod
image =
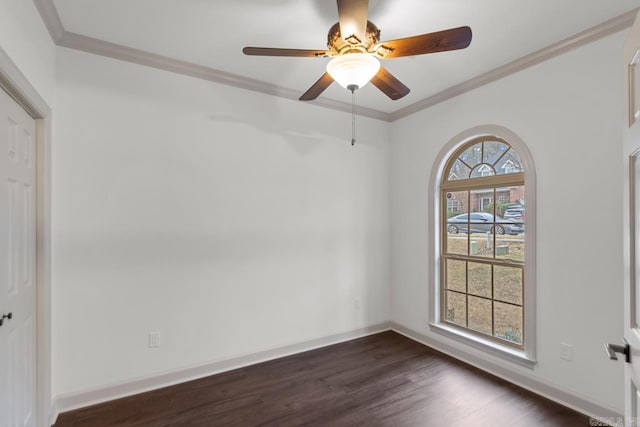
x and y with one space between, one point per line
353 88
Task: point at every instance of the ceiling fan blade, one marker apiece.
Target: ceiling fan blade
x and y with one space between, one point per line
352 15
455 38
317 88
387 83
269 51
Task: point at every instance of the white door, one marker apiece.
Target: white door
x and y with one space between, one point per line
17 266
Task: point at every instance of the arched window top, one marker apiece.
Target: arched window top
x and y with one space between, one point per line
483 158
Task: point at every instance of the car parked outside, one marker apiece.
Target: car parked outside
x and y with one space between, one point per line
514 213
482 222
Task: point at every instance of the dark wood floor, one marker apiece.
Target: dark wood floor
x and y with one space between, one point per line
381 380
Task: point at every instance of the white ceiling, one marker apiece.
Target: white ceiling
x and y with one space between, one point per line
212 33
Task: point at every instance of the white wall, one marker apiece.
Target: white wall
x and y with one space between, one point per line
230 221
569 113
235 222
24 37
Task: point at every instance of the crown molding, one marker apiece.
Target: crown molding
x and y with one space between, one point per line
137 56
602 30
20 89
51 18
64 38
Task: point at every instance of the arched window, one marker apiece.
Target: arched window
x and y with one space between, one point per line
481 266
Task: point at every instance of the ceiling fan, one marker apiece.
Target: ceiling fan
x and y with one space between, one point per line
354 44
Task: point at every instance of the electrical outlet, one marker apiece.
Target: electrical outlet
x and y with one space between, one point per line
566 351
357 303
154 339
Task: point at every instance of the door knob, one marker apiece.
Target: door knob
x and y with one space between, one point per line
5 316
612 349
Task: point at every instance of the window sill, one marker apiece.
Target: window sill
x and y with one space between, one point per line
516 356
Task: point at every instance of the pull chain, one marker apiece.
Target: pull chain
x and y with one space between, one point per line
353 88
353 118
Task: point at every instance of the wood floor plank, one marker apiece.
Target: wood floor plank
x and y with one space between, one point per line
381 380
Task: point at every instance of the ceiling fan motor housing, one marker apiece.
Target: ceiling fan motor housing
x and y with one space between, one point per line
338 46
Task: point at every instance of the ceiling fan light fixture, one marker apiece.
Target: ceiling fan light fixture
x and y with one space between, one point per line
353 69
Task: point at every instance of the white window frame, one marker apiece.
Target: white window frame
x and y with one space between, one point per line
485 170
526 357
451 204
509 169
484 201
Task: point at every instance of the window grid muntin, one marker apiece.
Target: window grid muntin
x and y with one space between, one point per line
483 182
469 223
482 160
493 300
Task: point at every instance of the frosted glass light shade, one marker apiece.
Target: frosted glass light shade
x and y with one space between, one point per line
353 69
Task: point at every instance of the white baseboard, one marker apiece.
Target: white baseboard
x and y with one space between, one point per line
53 412
71 401
85 398
537 386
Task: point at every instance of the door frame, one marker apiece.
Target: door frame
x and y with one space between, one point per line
20 88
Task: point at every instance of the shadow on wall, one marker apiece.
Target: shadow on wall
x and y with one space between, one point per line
149 91
302 141
304 126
